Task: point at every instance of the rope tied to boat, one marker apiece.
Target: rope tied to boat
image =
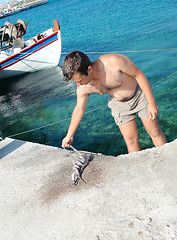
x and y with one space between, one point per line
127 51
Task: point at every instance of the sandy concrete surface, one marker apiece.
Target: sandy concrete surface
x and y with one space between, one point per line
132 196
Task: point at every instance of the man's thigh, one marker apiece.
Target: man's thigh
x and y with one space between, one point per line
129 130
151 125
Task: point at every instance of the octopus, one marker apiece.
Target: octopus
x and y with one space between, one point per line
80 162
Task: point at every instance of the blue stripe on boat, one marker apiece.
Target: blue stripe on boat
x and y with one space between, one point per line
29 50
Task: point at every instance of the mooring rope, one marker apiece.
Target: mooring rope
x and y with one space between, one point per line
98 108
163 79
48 125
127 51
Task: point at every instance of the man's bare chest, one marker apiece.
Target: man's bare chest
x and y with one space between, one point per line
108 82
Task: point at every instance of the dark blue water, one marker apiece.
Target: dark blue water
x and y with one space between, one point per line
98 27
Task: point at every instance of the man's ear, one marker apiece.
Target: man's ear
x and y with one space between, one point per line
89 69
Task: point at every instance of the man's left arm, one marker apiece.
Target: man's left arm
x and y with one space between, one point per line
146 88
130 68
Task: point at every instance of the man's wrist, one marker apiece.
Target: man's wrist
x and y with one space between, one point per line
151 100
69 135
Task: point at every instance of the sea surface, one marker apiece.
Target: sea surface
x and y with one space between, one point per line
145 31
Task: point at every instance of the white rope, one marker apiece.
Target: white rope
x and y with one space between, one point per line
107 52
164 78
128 51
48 125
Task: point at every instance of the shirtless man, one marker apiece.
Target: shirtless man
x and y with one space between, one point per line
129 93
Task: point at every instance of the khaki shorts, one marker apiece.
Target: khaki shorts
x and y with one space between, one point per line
125 111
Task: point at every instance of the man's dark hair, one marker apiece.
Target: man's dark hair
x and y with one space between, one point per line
75 62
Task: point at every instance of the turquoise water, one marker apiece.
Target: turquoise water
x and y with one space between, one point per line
42 98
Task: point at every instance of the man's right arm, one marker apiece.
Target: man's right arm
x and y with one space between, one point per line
77 115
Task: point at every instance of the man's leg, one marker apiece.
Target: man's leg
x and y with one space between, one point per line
152 127
130 134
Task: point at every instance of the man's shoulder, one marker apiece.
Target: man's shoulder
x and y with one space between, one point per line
85 90
113 58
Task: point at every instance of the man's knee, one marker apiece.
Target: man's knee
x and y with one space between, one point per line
155 132
152 127
131 140
132 144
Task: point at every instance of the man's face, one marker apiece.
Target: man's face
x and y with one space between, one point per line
81 79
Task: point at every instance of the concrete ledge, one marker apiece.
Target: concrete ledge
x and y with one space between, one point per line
131 196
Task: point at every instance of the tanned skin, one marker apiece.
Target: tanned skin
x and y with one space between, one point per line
117 75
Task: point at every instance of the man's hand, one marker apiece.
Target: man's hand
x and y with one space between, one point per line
67 141
153 110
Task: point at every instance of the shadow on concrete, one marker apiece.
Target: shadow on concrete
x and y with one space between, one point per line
10 147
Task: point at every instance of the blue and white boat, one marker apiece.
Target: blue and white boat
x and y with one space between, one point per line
39 52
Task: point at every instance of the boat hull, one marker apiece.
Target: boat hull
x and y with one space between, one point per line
43 54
